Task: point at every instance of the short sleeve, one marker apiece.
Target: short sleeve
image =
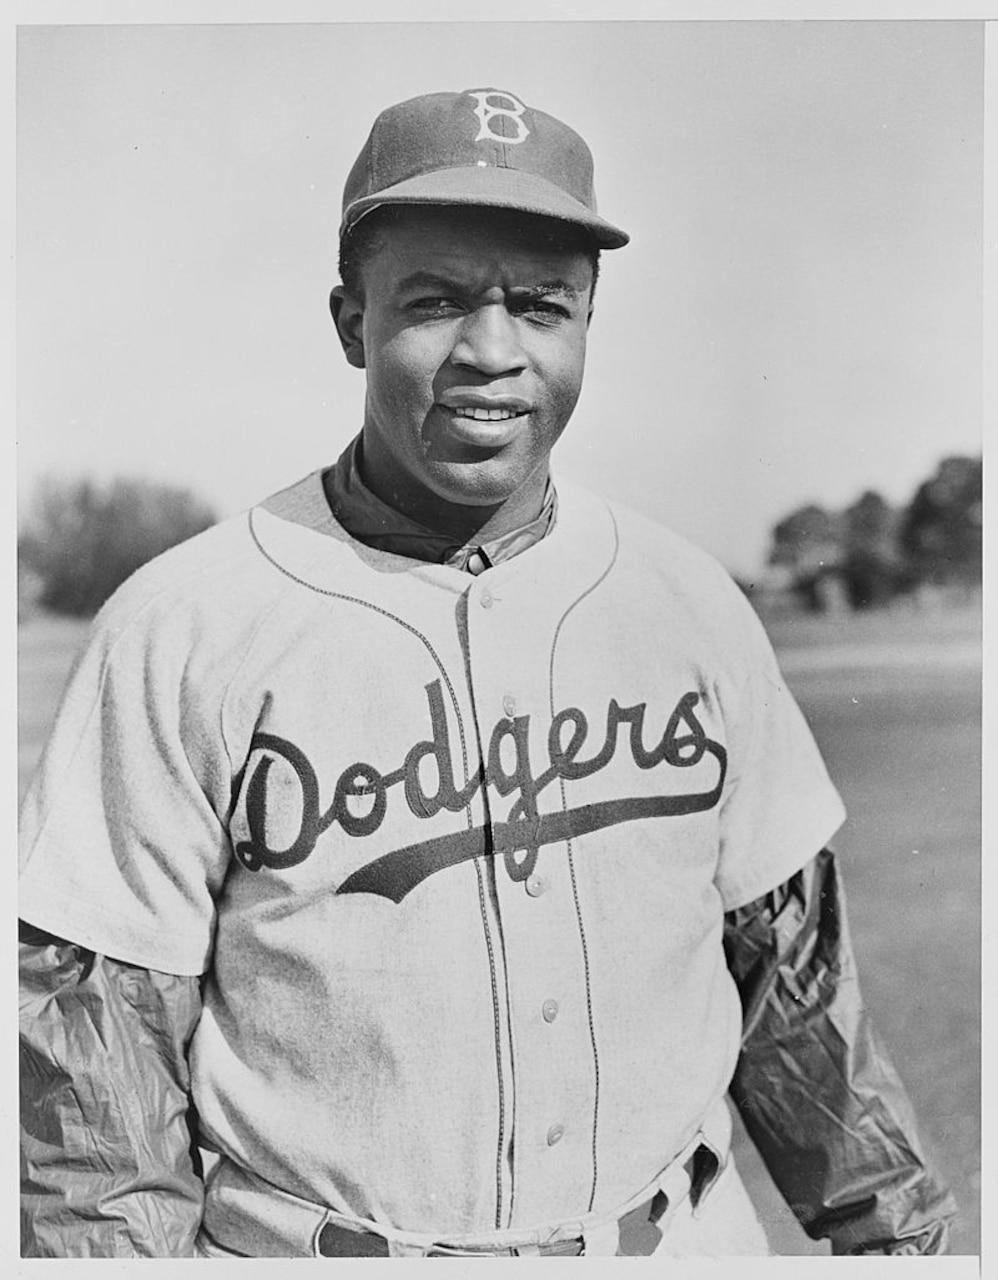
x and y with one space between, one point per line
779 806
123 840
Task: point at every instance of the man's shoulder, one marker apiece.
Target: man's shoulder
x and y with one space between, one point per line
669 586
222 576
646 545
190 571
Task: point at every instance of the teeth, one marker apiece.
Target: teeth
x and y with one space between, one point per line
485 415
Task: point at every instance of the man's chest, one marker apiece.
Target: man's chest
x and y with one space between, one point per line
379 752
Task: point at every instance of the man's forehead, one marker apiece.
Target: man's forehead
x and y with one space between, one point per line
438 244
487 280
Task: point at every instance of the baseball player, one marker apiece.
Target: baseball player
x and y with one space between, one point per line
421 859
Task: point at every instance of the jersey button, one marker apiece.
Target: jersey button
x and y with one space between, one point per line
535 885
485 599
550 1010
555 1134
509 705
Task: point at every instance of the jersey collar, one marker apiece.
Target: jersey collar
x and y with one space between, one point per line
373 522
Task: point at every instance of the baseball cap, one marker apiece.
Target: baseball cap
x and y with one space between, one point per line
478 147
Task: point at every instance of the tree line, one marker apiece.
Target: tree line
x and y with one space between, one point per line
80 539
872 552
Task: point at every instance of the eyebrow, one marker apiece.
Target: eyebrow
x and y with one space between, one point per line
430 280
545 289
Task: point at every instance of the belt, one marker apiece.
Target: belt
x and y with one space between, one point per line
248 1216
638 1230
340 1242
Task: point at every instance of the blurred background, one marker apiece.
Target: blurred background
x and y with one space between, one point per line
785 366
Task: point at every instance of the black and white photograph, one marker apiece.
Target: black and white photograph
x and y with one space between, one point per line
499 639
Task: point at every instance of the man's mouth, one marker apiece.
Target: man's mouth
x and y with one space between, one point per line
486 415
484 406
478 421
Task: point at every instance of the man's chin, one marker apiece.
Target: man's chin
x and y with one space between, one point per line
484 481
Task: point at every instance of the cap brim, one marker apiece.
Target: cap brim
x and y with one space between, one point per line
491 187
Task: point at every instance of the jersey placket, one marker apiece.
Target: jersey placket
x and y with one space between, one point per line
551 1112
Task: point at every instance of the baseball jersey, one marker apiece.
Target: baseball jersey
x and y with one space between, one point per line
452 853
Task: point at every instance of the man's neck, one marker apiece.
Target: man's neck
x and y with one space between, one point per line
461 522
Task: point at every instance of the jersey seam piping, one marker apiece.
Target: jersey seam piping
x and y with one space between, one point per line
571 859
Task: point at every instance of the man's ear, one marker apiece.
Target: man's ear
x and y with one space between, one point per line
348 317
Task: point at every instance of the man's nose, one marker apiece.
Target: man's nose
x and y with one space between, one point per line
488 341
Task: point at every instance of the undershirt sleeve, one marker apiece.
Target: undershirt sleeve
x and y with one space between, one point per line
109 1167
851 1163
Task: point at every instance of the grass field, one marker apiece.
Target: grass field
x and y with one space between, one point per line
894 701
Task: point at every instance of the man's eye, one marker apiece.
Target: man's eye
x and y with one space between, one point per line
433 306
542 309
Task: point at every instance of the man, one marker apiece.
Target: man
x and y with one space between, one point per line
421 850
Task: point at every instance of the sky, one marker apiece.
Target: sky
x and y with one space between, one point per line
796 319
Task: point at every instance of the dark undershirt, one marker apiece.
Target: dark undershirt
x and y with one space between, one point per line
378 525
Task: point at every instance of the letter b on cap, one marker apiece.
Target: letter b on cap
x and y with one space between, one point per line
486 109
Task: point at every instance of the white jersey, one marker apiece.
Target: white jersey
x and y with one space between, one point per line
453 852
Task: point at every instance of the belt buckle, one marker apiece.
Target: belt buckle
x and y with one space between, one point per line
554 1249
446 1251
557 1249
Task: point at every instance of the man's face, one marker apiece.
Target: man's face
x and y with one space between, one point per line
473 336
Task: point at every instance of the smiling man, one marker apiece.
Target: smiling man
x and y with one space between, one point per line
471 326
420 860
